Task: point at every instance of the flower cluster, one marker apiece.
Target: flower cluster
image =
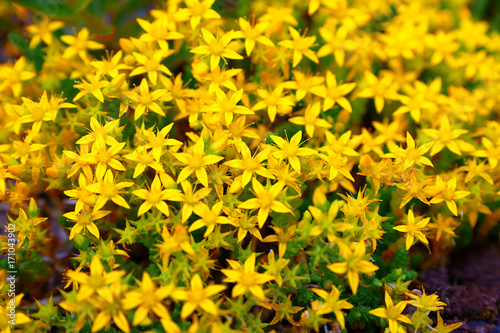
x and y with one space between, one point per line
281 164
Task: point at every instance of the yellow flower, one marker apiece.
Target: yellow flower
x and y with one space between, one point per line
197 10
411 155
474 169
42 111
85 221
144 158
442 327
190 199
155 197
343 144
414 188
333 304
334 93
109 66
228 106
12 76
4 174
492 151
20 319
92 86
327 222
151 66
356 206
265 201
300 46
196 161
109 190
283 236
238 130
245 224
83 196
42 31
290 150
413 229
110 302
336 44
210 217
392 313
444 225
379 90
221 77
353 264
158 141
26 224
176 91
414 104
338 164
146 99
272 101
251 166
175 241
246 278
98 132
216 48
447 193
159 30
97 279
147 299
389 132
196 296
443 45
426 302
80 162
79 45
252 34
310 119
276 16
304 83
104 157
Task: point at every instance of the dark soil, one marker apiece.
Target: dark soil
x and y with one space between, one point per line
470 285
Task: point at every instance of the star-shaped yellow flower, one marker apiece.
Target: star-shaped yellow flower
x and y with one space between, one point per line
42 31
155 197
196 161
310 119
253 34
197 296
353 264
333 303
392 313
412 154
413 229
217 48
447 193
290 150
265 201
246 278
300 46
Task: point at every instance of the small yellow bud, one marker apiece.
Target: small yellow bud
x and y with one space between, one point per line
126 45
319 196
167 181
15 170
52 172
365 163
33 207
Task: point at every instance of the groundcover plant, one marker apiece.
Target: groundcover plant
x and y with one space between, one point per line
242 166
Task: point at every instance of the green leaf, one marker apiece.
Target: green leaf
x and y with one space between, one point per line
55 8
33 55
479 8
304 297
